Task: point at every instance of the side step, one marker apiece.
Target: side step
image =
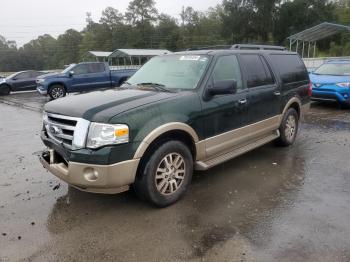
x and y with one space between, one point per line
204 165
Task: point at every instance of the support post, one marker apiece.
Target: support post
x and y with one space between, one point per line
314 50
290 44
302 55
296 50
308 51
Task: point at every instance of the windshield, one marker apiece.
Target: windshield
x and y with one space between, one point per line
69 68
172 72
12 76
334 69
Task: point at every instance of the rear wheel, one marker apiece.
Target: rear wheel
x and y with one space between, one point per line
289 128
166 175
5 90
57 91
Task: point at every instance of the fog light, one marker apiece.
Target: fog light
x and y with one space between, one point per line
90 174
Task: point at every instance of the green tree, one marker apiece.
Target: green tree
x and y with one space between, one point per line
68 45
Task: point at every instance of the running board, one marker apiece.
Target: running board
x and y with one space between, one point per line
204 165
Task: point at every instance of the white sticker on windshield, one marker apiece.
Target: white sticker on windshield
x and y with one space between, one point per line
190 57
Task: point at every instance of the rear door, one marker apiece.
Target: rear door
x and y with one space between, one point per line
100 76
23 81
264 94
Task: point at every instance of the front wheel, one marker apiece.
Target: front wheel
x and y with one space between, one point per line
166 175
57 91
289 128
5 90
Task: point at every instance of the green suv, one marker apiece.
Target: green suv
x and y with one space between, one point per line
180 112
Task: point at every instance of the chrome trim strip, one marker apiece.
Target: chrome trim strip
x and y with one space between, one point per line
80 134
63 117
72 128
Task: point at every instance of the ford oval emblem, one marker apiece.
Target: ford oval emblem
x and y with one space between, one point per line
55 130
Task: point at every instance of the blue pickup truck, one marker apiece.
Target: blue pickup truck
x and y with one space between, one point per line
80 78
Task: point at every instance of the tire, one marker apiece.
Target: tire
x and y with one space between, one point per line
289 128
344 106
122 81
157 181
5 90
57 91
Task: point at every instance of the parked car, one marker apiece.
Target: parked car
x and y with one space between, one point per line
331 82
21 81
179 112
81 77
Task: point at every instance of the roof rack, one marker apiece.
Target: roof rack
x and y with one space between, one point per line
240 47
214 47
258 47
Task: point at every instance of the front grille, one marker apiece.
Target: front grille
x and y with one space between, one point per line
61 128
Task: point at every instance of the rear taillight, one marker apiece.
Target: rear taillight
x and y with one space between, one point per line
309 90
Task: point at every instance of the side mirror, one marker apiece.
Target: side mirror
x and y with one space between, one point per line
71 73
225 87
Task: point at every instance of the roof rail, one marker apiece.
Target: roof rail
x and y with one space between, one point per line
214 47
258 47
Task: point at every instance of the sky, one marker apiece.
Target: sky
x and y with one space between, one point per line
24 20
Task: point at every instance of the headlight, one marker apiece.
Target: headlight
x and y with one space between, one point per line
104 134
40 80
345 84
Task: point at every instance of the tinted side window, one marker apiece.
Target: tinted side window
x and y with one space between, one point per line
227 68
96 68
257 75
81 69
290 67
23 75
269 78
36 74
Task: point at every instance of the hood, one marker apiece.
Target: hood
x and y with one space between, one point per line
328 79
100 106
52 75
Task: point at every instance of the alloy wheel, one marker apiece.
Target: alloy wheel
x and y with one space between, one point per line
170 174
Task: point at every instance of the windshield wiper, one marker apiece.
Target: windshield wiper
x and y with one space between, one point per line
156 86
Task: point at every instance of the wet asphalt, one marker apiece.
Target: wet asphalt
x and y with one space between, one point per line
272 204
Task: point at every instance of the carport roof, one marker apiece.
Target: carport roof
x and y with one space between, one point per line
139 52
319 32
100 53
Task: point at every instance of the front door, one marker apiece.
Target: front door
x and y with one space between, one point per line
224 113
81 79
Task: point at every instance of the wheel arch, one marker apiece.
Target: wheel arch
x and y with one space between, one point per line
174 130
57 83
7 84
295 103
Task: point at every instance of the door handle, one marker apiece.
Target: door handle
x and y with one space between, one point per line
242 101
277 93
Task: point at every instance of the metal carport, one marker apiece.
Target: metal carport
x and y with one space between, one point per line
311 35
130 55
98 56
